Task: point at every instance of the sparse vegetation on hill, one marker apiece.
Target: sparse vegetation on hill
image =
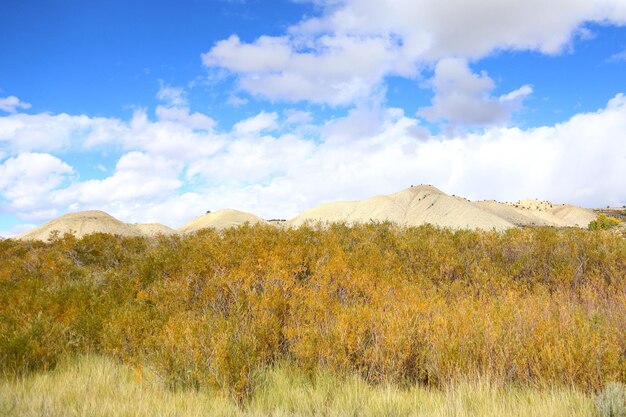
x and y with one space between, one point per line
409 306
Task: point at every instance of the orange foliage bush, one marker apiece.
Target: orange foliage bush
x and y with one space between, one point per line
409 305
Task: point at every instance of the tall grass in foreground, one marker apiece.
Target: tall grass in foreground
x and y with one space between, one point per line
98 387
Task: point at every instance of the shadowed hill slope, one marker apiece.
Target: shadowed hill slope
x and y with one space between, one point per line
153 229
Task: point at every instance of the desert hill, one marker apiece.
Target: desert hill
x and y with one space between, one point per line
532 212
413 206
153 229
80 224
95 221
426 204
219 220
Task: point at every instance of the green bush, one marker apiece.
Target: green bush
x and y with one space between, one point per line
604 222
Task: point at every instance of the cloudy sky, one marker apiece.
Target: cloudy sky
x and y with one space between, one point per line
158 111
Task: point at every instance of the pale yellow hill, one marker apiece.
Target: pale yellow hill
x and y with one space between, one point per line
573 216
219 220
512 214
533 212
414 206
153 229
81 224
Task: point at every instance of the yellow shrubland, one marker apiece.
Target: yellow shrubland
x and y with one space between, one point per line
426 306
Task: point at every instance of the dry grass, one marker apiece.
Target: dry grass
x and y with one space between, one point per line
95 386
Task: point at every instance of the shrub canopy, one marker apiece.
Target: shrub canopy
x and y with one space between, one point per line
409 305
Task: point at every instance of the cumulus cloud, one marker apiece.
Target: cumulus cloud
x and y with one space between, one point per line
176 109
27 182
463 97
251 160
266 54
297 117
467 29
173 96
344 54
331 69
176 133
138 177
195 121
46 132
11 104
275 173
257 124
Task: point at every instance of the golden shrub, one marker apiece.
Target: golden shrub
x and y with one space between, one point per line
409 305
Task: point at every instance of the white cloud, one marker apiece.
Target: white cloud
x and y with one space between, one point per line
46 132
266 54
176 133
176 109
516 95
194 121
138 177
236 101
618 56
462 97
173 96
343 55
467 29
332 69
372 150
172 138
297 117
26 182
251 160
256 124
585 34
11 104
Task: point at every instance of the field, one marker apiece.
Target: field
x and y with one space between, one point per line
364 320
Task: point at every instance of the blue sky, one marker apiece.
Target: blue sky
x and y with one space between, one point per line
156 111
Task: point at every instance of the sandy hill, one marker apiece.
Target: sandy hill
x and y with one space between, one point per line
221 219
413 206
153 229
572 215
80 224
510 213
533 212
